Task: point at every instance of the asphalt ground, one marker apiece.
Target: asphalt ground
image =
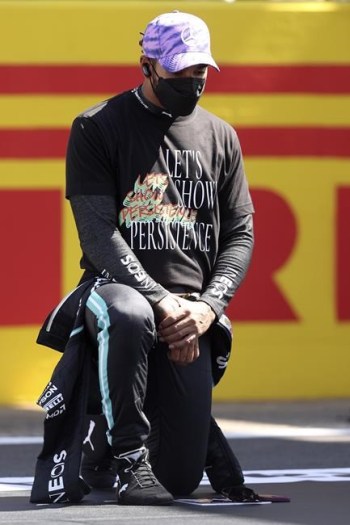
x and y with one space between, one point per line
297 449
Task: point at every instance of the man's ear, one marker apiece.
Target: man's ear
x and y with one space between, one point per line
146 69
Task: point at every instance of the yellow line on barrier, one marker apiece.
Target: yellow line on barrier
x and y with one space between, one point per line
50 174
286 174
280 110
27 111
95 31
42 111
42 174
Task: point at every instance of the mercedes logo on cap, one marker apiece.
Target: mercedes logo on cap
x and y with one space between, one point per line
189 37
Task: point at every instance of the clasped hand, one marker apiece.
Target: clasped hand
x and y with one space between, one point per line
182 322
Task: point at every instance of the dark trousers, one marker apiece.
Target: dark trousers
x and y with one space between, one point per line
146 398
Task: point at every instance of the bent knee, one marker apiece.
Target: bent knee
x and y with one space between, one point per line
136 316
126 305
180 483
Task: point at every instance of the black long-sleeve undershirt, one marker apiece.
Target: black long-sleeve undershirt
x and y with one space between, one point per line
105 248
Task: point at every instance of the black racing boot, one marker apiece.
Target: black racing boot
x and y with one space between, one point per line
137 485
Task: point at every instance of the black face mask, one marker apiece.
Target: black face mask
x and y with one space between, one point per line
179 96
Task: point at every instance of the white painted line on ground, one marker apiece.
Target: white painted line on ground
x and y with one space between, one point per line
293 475
21 440
297 475
15 484
238 430
234 429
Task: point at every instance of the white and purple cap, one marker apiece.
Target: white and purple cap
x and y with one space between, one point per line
178 40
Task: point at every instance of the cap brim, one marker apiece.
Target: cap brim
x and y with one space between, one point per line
176 63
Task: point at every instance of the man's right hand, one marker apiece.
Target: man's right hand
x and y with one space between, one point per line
168 305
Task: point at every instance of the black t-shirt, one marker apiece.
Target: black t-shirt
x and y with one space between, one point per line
174 181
